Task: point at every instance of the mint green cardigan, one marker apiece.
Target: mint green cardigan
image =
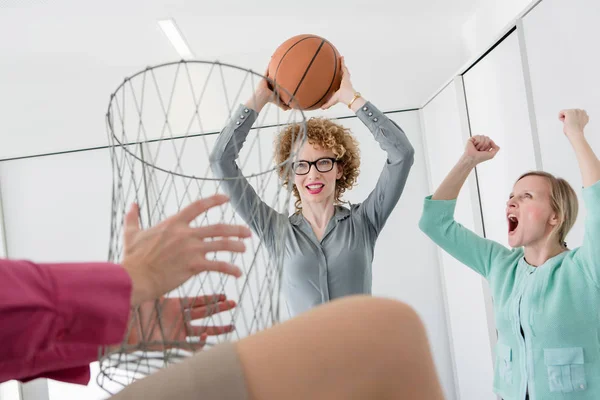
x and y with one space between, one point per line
556 304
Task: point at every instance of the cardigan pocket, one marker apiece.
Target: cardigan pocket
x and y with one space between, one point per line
566 370
504 362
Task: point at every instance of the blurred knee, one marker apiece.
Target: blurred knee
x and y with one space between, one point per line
381 316
385 334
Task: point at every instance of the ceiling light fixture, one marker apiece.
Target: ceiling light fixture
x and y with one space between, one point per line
174 35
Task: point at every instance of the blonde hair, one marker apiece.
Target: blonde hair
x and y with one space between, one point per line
329 136
563 201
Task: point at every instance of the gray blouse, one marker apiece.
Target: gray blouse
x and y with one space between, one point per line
340 264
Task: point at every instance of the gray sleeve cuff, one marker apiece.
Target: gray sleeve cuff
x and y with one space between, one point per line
388 134
243 118
233 136
371 116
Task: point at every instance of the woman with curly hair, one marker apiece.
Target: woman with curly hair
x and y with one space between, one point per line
328 248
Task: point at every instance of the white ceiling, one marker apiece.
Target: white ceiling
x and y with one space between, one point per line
61 59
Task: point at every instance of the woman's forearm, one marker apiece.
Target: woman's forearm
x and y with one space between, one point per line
589 164
454 181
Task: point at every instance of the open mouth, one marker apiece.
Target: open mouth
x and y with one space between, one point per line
315 188
513 222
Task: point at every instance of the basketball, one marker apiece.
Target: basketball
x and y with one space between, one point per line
308 67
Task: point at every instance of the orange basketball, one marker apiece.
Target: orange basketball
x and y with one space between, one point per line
308 67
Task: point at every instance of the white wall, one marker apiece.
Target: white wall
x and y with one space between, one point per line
405 266
445 135
484 25
497 103
560 36
58 207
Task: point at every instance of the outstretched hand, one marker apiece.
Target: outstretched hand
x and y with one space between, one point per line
161 258
170 328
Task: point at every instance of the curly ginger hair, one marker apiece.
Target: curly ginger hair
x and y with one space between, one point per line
328 135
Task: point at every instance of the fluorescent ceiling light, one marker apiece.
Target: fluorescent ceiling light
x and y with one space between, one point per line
172 33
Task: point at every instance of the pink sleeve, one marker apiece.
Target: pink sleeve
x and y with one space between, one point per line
55 316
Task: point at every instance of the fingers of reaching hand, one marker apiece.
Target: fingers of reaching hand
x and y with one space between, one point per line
230 245
224 236
202 264
222 231
199 312
196 344
192 211
210 330
183 311
198 301
175 321
132 222
185 303
204 306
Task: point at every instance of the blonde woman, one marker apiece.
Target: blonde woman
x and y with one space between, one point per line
546 296
328 247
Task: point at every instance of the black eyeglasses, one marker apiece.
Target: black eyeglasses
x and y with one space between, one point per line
322 165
